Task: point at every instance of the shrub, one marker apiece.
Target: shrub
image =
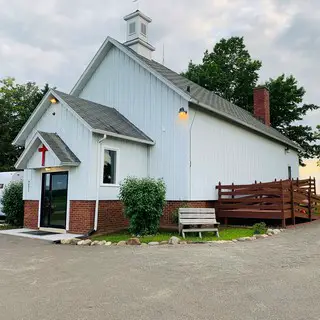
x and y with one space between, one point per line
259 228
144 200
12 202
175 212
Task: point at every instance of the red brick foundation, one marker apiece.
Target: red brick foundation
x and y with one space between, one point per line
81 217
111 216
31 210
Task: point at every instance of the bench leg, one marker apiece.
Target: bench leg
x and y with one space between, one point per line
218 235
183 235
200 235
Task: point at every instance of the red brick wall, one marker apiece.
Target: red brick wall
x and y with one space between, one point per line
31 210
81 218
111 216
262 104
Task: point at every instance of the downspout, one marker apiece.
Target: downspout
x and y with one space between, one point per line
190 152
96 211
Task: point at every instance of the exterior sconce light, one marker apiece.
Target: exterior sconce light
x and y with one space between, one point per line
53 100
183 114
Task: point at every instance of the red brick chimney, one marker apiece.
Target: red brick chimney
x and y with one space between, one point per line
261 103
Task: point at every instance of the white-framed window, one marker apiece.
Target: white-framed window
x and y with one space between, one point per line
110 158
144 29
132 28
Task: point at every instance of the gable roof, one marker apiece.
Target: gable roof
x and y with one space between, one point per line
96 117
59 148
64 156
102 118
197 95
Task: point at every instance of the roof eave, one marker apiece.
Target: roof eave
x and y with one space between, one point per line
231 119
120 136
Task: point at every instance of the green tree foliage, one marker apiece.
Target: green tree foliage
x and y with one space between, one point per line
17 102
230 72
12 203
144 200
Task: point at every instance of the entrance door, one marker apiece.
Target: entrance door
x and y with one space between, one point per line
54 200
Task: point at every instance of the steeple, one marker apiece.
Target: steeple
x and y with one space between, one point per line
137 33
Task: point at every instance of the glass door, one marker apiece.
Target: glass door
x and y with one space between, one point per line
54 200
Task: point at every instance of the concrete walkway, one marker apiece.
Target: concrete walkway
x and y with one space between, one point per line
51 237
276 278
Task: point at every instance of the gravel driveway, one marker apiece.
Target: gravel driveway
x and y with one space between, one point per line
274 278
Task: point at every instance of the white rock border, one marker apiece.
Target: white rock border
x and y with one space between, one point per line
172 241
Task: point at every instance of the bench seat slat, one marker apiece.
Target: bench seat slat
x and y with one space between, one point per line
197 216
200 230
197 210
198 221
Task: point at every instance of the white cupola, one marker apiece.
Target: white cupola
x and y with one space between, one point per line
137 33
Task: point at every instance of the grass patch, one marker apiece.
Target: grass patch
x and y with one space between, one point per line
225 234
7 227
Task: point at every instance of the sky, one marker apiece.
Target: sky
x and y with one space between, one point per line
53 40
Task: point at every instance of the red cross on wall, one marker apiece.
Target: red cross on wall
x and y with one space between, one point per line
43 149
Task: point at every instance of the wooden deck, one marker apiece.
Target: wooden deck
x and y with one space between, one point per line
278 200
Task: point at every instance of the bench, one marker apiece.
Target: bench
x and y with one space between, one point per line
198 217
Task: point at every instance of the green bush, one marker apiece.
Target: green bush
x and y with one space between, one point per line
144 200
12 202
259 228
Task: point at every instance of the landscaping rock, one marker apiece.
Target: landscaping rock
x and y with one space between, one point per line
144 244
276 231
245 239
109 243
270 234
74 241
65 241
183 242
163 242
269 231
261 236
174 240
153 243
102 243
234 240
94 243
84 242
134 242
122 243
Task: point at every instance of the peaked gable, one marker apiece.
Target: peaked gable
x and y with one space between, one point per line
198 95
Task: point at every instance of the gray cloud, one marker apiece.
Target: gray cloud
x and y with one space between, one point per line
53 40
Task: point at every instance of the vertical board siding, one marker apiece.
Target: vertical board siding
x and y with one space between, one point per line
153 107
77 137
224 152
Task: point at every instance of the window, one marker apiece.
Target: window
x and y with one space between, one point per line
144 29
109 167
132 28
1 185
289 173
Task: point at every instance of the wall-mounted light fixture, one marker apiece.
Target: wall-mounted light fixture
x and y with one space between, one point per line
53 100
183 114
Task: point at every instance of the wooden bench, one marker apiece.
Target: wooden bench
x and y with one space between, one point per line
198 217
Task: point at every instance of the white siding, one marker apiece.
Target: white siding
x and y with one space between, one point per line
153 107
78 138
132 160
224 152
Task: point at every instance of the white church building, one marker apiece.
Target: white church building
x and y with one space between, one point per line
129 115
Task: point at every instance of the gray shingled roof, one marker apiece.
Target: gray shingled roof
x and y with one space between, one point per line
60 149
101 117
213 101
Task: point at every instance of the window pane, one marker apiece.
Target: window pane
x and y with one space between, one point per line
109 168
143 29
132 28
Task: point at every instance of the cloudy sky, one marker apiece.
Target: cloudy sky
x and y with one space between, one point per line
53 40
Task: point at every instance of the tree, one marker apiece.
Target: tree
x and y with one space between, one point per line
230 72
17 102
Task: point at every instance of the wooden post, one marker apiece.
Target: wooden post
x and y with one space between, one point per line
282 207
315 186
293 216
309 203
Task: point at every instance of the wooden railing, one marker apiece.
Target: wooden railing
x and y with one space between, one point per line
271 200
